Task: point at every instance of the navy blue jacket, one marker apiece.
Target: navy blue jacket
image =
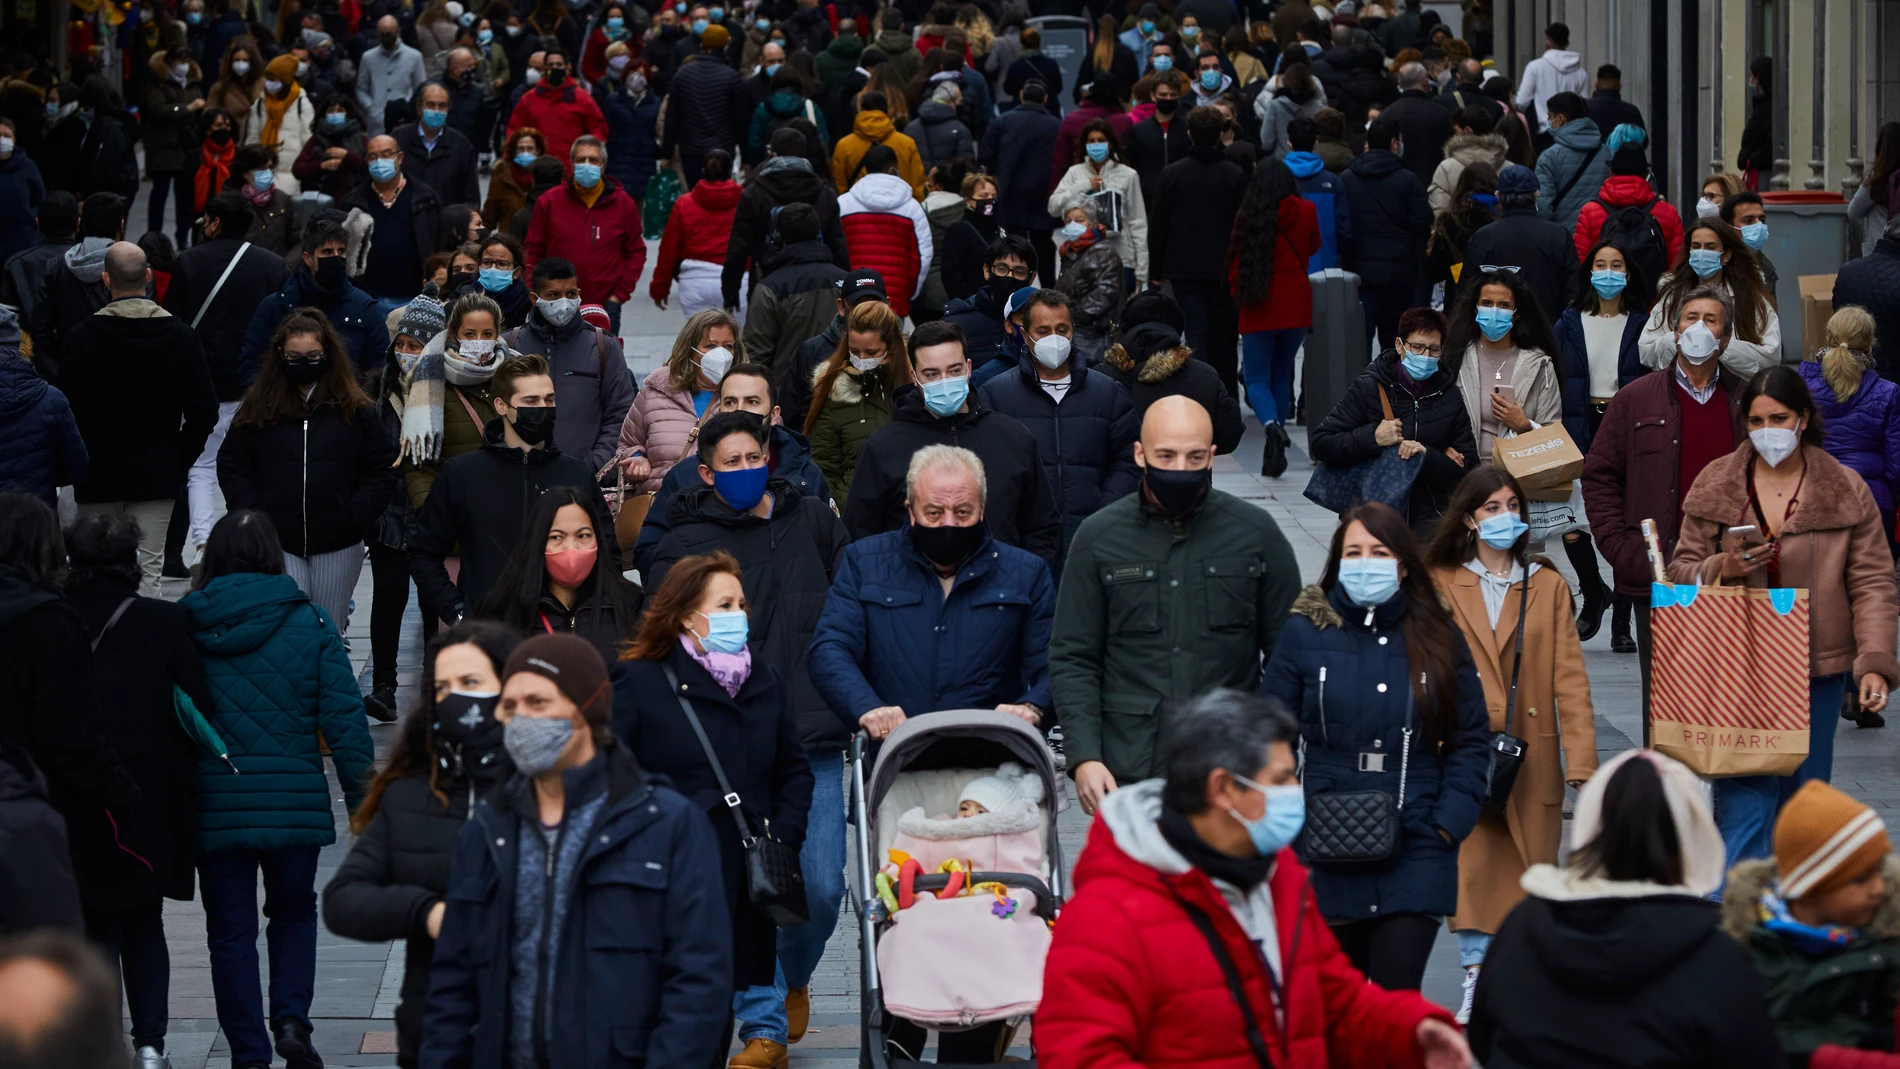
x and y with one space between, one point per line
643 965
1873 283
631 146
21 188
889 635
1575 360
1017 149
1349 684
352 312
794 465
984 339
1087 442
40 447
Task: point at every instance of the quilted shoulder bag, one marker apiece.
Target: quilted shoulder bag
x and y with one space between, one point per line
1507 750
775 885
1386 478
1345 828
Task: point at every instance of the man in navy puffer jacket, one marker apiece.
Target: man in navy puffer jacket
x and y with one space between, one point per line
40 447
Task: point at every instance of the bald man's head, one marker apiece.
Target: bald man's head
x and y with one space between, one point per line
1176 435
126 271
59 1004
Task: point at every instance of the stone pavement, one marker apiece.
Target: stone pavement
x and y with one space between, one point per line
357 983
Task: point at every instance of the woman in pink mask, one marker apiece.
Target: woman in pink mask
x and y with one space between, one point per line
562 578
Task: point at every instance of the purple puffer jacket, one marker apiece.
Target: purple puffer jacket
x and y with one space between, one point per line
1864 432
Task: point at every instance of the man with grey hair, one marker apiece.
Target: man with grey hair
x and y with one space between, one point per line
1195 894
1173 589
1873 282
938 614
1426 126
407 213
592 222
142 396
1655 437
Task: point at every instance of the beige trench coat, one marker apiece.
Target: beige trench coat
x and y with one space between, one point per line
1554 717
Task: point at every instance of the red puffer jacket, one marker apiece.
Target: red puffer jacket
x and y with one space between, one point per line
699 228
1130 981
887 231
560 114
1627 191
602 242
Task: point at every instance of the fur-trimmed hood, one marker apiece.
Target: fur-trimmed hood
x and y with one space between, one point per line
162 70
1477 148
1833 496
1747 880
1317 607
846 389
1021 817
1158 367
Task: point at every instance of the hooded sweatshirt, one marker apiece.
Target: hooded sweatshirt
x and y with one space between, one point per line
875 128
1324 189
1556 71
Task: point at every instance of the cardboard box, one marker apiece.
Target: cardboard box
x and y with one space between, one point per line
1817 306
1543 461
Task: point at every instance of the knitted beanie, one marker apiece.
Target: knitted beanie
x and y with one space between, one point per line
574 666
423 319
1008 786
1824 839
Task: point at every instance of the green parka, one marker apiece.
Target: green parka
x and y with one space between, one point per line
857 406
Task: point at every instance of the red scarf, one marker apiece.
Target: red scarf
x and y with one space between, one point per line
213 168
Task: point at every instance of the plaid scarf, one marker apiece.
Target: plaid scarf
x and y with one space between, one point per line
424 379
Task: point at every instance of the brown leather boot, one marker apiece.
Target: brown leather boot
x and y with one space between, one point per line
797 1012
760 1054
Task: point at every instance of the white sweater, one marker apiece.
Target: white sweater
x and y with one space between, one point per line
1131 241
300 121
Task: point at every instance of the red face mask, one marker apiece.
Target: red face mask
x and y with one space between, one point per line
571 567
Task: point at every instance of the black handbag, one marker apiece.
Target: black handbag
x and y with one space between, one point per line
774 882
1507 750
1345 828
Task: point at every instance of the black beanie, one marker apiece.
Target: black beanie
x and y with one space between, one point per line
573 665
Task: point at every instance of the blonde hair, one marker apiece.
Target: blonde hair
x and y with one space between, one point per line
1730 184
683 365
1850 340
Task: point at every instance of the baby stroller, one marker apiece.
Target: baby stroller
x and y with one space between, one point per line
943 946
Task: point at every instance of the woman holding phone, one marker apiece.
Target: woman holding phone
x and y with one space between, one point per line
1815 525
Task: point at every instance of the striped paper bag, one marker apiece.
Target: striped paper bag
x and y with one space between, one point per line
1729 678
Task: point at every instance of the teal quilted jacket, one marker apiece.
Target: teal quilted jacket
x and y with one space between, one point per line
278 675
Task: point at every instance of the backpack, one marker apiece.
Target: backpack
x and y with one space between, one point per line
1634 230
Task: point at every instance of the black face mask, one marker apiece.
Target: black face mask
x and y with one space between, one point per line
460 279
557 75
389 41
332 272
1001 286
534 425
467 735
949 546
1177 493
1166 107
220 137
985 206
305 372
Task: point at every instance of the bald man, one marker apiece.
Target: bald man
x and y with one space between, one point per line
59 1004
387 75
142 395
1171 591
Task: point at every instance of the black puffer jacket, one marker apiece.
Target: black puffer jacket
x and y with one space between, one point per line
37 889
778 182
322 479
797 298
1195 202
1542 251
939 135
1093 280
1435 417
1021 509
1151 363
594 616
788 562
1391 220
793 389
707 107
1087 442
398 869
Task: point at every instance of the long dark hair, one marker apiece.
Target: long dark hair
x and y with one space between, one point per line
1636 839
1453 543
30 542
516 594
1530 328
273 398
1431 639
241 543
1256 228
413 752
1751 297
1783 384
1638 295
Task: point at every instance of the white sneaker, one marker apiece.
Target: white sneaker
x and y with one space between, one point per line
1471 990
150 1058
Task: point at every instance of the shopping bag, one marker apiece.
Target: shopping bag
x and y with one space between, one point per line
1557 517
1729 678
662 190
1544 461
1386 478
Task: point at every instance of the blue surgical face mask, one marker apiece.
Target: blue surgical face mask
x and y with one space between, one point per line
494 279
616 23
718 14
1608 283
1190 32
335 120
772 69
524 159
762 25
1495 322
434 120
382 170
263 180
945 396
1097 150
1285 816
1072 230
1418 366
482 37
194 17
52 108
1502 530
587 175
1210 80
1705 262
1147 26
1755 235
1163 63
725 632
741 488
1369 581
699 27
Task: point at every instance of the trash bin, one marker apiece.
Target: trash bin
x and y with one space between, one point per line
1065 39
1337 350
1807 235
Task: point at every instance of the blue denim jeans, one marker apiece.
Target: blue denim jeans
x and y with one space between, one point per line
228 881
1746 806
1472 946
1267 369
760 1009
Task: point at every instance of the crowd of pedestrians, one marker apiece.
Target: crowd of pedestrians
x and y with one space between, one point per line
963 340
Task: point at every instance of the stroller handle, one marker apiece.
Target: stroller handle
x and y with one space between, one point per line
1046 904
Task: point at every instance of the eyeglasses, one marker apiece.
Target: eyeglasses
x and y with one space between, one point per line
1508 269
1422 349
389 155
1020 274
498 265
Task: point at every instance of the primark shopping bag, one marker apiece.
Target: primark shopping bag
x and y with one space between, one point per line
1729 678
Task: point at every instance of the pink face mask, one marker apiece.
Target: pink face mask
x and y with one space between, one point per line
571 567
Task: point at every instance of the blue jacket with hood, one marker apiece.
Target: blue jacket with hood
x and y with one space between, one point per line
1579 146
40 447
1328 195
